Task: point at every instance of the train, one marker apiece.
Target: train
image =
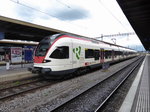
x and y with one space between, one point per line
62 54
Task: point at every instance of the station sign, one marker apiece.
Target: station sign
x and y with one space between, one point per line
28 53
16 54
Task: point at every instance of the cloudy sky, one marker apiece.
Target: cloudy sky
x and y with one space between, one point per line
91 18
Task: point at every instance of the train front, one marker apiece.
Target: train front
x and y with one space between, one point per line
41 65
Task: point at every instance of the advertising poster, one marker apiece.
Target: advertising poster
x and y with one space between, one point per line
16 54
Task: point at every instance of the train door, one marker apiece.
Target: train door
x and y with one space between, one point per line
113 55
102 55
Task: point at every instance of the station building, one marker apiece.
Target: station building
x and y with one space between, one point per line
16 35
16 51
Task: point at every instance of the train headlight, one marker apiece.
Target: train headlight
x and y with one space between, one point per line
46 61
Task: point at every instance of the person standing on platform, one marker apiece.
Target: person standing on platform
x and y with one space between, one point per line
7 59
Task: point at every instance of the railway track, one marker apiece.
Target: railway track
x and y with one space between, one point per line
78 103
49 95
132 69
13 91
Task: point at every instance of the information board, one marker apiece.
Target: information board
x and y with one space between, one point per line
16 54
28 53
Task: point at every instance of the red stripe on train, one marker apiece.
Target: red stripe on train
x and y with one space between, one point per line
38 59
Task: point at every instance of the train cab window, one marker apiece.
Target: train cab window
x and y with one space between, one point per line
60 53
42 49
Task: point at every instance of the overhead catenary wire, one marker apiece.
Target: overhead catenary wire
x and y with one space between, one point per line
100 1
63 4
19 3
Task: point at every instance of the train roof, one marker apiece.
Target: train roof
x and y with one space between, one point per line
95 40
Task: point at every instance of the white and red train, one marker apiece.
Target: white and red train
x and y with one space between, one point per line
62 54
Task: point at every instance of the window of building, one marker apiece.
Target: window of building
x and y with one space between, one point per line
60 53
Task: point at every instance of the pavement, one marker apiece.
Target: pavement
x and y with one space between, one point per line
16 72
137 99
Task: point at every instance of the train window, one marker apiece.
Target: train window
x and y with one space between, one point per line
114 53
42 49
96 54
118 53
126 53
108 54
60 53
89 53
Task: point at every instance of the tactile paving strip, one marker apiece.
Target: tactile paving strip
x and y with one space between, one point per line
143 99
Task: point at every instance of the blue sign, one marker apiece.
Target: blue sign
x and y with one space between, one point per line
28 53
1 35
105 66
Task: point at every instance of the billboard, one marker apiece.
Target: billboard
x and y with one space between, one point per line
16 54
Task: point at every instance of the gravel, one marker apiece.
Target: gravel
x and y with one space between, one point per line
90 100
45 100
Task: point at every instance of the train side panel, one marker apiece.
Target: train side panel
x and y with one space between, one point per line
67 54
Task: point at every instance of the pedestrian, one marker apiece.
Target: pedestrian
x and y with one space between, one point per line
7 59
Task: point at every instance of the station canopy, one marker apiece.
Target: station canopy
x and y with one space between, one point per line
138 14
19 30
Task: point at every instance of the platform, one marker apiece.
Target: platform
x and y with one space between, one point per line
15 72
137 99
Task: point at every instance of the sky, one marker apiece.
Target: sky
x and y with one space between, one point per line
91 18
